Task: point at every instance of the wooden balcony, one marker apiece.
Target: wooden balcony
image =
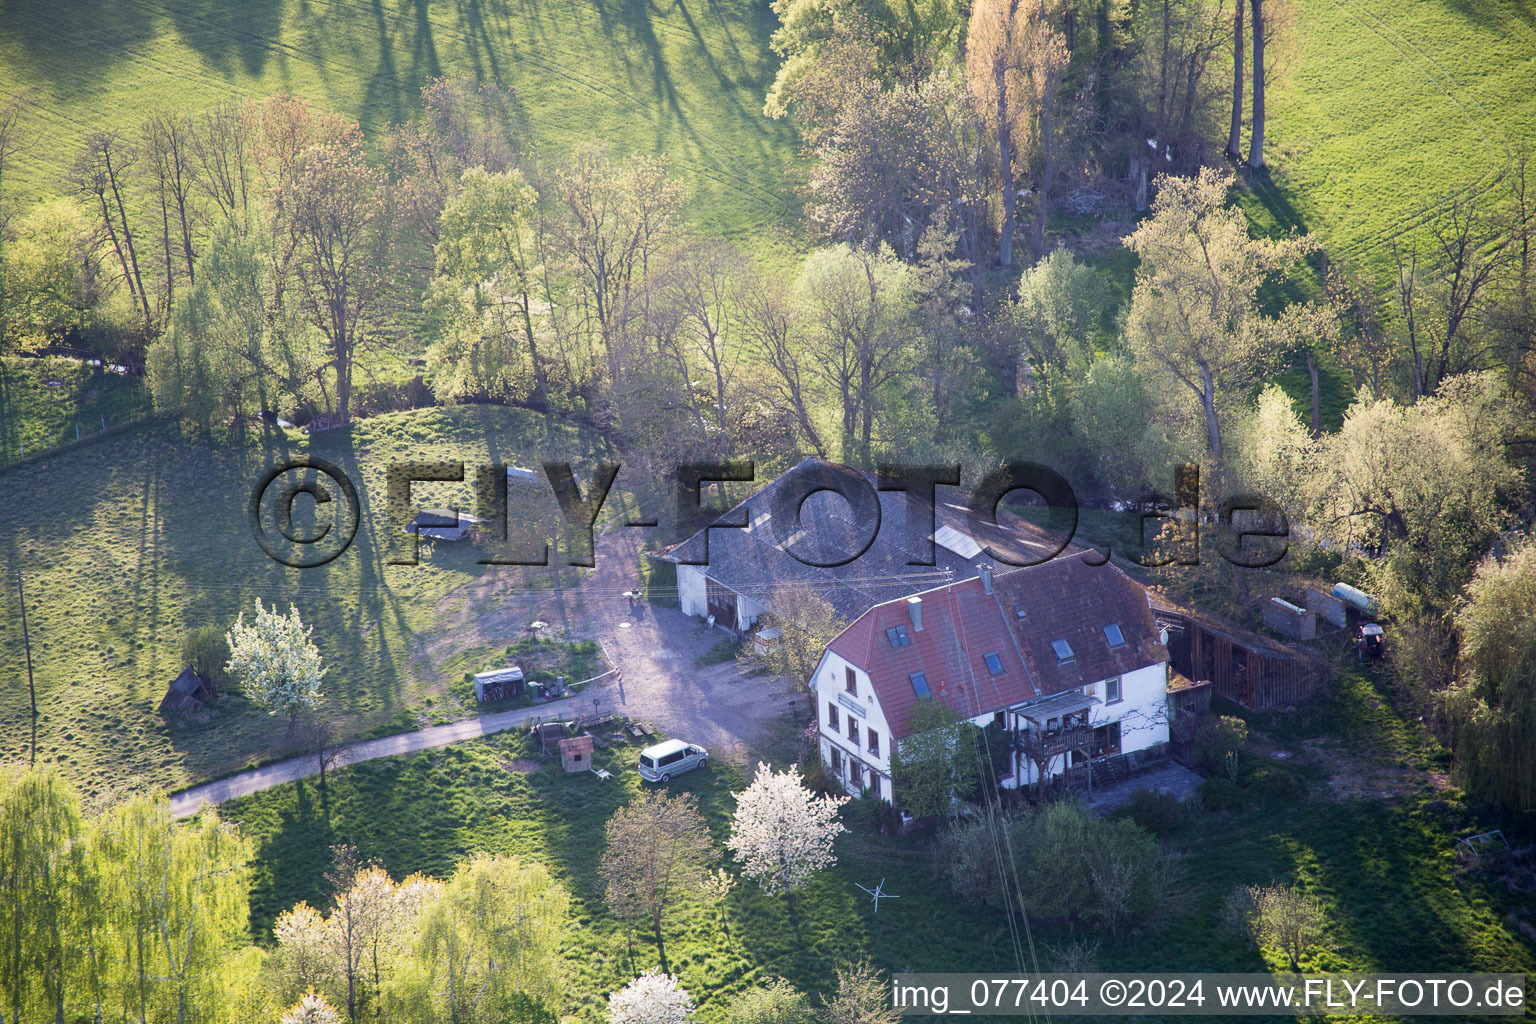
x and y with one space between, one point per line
1037 746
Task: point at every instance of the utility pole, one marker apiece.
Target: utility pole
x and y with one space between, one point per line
26 642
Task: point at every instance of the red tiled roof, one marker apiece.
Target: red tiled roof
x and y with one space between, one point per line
1063 599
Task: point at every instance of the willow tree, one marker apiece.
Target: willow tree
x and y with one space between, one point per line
1491 710
1194 312
482 311
42 882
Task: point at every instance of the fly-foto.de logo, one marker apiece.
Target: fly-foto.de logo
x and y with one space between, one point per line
1250 530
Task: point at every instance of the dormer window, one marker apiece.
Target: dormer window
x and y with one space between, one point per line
1063 650
898 637
1113 635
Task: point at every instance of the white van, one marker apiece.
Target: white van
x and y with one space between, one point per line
664 760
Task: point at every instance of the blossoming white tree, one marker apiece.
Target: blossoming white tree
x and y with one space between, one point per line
652 998
782 833
276 662
312 1009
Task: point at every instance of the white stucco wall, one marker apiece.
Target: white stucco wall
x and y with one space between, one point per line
1141 712
830 687
690 589
747 611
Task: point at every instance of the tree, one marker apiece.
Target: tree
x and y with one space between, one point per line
1491 710
1056 315
658 847
1015 59
1194 314
302 959
52 272
178 899
41 873
101 173
778 1002
781 833
618 216
1256 134
487 947
862 997
337 215
482 303
859 307
277 663
652 998
801 641
311 1009
1239 43
1424 488
772 328
1285 917
936 763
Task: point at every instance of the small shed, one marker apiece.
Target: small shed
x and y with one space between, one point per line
441 524
499 684
1289 620
576 753
187 692
1329 608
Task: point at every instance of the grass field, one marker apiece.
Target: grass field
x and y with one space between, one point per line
681 78
45 402
1387 874
128 543
1386 106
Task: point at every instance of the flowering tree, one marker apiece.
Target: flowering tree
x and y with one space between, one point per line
312 1009
652 998
781 833
276 662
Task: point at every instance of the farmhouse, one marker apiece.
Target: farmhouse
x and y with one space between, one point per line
737 574
1065 656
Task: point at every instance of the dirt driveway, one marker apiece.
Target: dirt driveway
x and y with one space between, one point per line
654 648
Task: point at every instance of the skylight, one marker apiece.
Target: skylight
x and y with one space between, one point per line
898 637
1063 650
994 663
1113 635
920 684
1018 610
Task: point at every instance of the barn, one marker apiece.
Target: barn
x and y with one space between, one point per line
733 576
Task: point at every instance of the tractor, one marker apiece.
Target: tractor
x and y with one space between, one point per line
1372 643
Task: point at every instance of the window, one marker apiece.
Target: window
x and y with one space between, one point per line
855 774
853 730
831 716
1063 650
851 680
835 756
1018 611
920 684
994 663
874 741
898 637
1113 635
1112 691
672 758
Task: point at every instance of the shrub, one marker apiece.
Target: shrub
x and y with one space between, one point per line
1216 737
1222 795
1276 785
1158 813
207 650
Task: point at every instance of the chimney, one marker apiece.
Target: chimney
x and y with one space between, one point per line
915 606
986 577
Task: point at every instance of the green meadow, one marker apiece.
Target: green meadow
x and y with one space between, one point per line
128 543
682 78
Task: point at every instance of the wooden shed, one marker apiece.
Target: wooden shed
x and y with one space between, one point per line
1241 665
187 692
576 753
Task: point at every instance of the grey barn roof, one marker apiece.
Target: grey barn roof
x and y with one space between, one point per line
754 562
